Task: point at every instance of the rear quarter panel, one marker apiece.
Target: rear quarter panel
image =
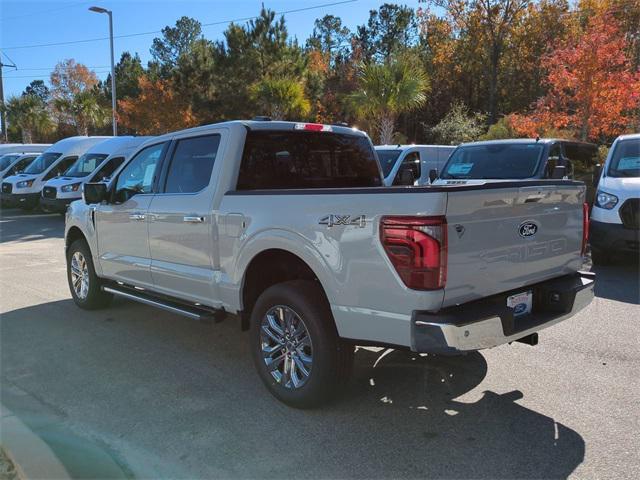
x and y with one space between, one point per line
368 299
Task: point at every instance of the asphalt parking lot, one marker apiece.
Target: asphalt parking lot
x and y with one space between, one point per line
136 392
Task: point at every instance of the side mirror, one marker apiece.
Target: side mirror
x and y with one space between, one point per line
433 175
94 193
597 172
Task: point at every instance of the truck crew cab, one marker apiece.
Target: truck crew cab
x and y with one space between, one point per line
287 227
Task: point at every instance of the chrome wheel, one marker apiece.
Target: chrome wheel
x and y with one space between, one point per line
80 275
286 347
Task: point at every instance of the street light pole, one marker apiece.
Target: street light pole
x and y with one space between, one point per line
113 69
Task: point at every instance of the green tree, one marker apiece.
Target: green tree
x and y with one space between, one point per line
29 113
38 89
128 71
197 79
281 98
387 90
175 42
85 109
389 30
258 50
331 38
458 126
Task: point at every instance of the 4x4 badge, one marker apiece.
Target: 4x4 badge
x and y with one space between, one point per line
335 220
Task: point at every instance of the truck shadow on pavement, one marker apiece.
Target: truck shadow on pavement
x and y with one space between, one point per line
620 280
22 226
184 397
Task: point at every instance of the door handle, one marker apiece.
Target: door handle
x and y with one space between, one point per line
137 216
193 219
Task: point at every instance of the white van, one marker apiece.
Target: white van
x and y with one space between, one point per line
23 147
24 189
410 164
96 165
10 156
615 217
12 163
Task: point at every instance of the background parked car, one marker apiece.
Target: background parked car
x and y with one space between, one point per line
519 159
615 217
96 164
13 163
24 189
410 164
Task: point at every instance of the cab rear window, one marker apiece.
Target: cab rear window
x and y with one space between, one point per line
275 160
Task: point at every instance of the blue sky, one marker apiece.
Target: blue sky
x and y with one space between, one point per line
32 22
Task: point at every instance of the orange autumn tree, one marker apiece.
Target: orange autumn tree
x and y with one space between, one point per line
592 88
157 109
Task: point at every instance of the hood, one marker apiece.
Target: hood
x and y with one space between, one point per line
19 178
628 185
60 181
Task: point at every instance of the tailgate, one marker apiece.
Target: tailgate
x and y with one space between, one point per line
503 238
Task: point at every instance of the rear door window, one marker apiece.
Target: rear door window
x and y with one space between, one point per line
191 164
274 160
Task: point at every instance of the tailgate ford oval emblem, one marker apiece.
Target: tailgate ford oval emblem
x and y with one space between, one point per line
528 229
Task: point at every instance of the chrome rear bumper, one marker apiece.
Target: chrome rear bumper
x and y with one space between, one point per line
489 322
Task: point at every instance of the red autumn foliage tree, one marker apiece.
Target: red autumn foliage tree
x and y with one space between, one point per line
593 89
157 109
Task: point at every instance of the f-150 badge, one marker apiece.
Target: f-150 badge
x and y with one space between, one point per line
334 220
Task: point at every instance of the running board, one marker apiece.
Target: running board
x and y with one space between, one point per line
168 305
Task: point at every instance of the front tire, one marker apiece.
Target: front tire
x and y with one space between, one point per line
84 284
295 345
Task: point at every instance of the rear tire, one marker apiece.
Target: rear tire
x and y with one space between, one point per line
84 284
293 320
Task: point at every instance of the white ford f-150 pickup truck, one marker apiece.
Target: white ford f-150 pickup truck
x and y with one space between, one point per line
287 227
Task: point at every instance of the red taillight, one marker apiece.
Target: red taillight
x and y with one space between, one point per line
417 248
585 227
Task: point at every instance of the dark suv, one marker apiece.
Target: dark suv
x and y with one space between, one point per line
519 159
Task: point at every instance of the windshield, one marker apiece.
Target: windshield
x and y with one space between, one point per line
387 160
625 161
41 163
8 159
494 161
86 164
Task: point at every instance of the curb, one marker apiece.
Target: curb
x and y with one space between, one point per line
31 455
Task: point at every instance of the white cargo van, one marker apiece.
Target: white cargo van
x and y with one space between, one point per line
23 190
410 164
615 217
97 164
12 163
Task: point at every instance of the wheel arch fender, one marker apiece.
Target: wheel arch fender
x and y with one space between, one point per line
291 243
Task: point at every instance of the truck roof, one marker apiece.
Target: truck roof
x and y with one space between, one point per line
407 147
524 141
262 125
629 136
